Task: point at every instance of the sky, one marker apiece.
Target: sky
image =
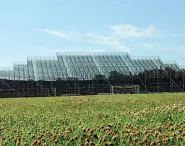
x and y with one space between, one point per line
31 28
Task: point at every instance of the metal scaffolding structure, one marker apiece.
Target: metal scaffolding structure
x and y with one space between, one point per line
89 73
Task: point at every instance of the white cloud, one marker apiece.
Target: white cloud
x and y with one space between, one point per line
55 33
145 45
107 41
112 40
128 30
120 32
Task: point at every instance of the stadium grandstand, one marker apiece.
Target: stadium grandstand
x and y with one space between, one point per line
90 73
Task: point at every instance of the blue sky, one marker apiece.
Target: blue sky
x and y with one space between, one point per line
43 27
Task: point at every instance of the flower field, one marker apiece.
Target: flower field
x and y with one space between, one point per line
153 119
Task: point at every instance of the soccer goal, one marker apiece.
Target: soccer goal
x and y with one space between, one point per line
125 89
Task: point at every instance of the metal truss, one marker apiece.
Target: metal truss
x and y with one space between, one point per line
172 65
83 66
42 73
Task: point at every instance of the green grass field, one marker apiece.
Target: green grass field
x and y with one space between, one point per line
94 120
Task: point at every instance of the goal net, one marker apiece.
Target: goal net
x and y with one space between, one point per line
125 89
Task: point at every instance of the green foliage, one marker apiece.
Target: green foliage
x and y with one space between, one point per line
94 120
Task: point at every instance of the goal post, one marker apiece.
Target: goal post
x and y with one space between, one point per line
124 89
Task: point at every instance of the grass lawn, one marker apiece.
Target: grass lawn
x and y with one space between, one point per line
152 119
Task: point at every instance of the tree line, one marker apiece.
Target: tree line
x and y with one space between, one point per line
156 80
